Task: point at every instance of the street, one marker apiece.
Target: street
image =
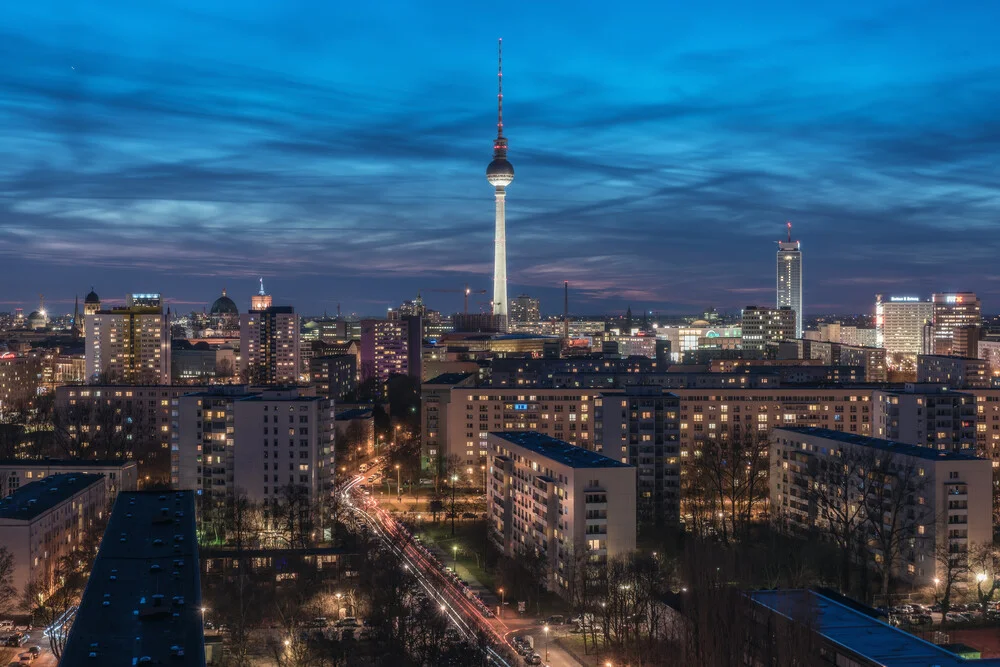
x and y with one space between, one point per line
469 614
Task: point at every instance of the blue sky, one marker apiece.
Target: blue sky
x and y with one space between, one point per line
338 150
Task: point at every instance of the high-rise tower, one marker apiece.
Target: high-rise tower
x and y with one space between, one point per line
499 174
790 278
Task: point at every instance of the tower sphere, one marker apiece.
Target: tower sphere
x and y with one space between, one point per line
500 172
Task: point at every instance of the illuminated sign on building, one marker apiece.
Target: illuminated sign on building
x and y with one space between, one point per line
904 299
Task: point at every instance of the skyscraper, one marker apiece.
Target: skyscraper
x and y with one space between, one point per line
790 278
954 311
762 326
500 173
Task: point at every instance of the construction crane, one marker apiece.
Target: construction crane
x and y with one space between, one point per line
465 291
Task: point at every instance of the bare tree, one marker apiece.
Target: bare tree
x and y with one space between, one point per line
952 562
893 515
731 471
7 591
984 560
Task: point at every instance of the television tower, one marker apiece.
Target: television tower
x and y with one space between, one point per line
499 174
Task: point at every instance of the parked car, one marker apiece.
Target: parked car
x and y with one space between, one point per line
35 650
533 659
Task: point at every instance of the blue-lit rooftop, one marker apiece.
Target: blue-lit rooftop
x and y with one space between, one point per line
559 450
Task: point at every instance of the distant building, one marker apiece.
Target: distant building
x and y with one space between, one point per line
954 510
925 415
91 305
334 376
269 346
763 326
552 499
636 346
129 345
989 351
954 311
642 428
955 372
900 323
143 599
121 475
872 359
20 377
356 428
224 317
42 521
789 286
524 308
390 347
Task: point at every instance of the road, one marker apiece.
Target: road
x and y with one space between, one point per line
466 611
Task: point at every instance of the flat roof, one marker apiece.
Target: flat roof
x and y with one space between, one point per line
559 450
916 451
449 378
31 500
354 413
858 632
67 463
149 550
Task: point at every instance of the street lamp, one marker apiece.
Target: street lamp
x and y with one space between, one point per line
454 551
981 577
454 478
501 591
546 628
399 495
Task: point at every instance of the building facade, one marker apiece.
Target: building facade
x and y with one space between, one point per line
789 283
524 308
954 372
390 347
121 475
641 427
334 376
42 521
765 326
556 501
953 312
928 416
269 346
953 506
900 323
129 345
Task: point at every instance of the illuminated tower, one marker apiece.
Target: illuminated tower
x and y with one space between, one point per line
790 278
261 300
500 173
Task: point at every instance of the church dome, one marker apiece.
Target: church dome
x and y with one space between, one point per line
92 297
37 320
224 306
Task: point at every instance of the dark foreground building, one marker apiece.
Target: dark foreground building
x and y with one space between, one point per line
142 605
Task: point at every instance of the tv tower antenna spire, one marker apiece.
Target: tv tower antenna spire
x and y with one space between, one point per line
789 224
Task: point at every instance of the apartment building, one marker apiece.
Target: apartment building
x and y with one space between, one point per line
954 372
259 443
553 499
129 344
641 427
925 415
42 521
121 475
334 376
143 411
457 418
269 346
952 506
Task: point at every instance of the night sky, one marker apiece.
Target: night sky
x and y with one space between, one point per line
338 149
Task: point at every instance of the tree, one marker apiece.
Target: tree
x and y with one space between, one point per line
7 591
952 563
892 514
983 563
52 595
731 474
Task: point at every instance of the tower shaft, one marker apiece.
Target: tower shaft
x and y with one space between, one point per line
500 256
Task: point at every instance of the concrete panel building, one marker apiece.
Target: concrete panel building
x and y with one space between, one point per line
954 372
42 521
555 500
953 506
121 475
928 415
130 344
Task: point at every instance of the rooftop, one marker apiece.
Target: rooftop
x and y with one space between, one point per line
559 450
449 378
858 632
144 593
354 413
36 498
916 451
66 463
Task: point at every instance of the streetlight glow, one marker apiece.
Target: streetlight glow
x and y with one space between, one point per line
981 577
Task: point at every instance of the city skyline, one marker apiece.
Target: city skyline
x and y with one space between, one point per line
657 160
